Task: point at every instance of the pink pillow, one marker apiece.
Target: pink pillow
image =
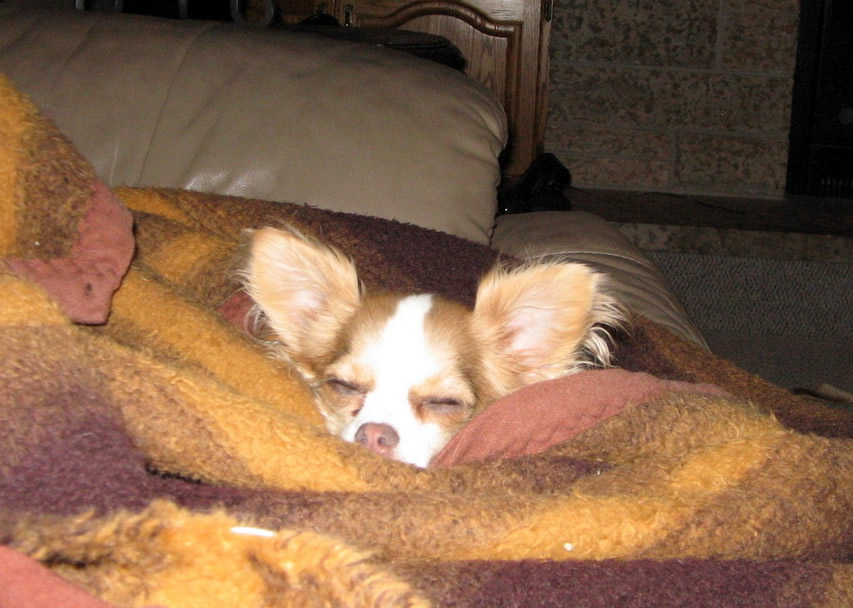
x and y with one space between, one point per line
544 414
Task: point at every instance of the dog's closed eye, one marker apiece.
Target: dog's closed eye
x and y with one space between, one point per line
346 397
345 388
443 405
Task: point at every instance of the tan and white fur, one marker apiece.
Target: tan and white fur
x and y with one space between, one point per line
401 374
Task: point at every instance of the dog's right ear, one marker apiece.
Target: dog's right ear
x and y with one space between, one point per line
306 291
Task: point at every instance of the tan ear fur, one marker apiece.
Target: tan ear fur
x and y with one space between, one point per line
304 289
543 318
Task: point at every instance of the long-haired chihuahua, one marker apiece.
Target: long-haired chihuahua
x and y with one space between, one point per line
401 374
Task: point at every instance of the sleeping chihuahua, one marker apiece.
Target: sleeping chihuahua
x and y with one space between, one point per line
401 374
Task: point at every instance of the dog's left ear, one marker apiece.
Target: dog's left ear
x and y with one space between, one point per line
541 318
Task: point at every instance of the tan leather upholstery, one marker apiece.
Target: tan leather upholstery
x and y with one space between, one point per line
264 114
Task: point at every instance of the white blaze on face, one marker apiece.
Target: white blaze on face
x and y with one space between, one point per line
401 359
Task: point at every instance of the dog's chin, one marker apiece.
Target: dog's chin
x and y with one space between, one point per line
419 460
422 456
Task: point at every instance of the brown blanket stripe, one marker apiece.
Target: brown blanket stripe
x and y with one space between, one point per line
609 583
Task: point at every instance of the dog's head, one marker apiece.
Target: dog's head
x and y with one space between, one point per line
401 374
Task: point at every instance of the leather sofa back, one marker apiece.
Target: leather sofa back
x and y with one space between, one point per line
263 114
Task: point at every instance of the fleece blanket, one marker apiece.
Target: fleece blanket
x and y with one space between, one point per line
154 454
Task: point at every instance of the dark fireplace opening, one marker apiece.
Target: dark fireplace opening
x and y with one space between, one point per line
820 158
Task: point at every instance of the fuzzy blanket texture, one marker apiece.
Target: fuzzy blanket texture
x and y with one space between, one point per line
154 454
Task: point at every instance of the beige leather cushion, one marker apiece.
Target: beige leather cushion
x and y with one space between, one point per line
584 237
264 114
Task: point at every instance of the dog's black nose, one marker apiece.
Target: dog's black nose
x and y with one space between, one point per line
381 438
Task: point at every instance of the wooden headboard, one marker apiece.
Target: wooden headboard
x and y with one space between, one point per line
505 43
